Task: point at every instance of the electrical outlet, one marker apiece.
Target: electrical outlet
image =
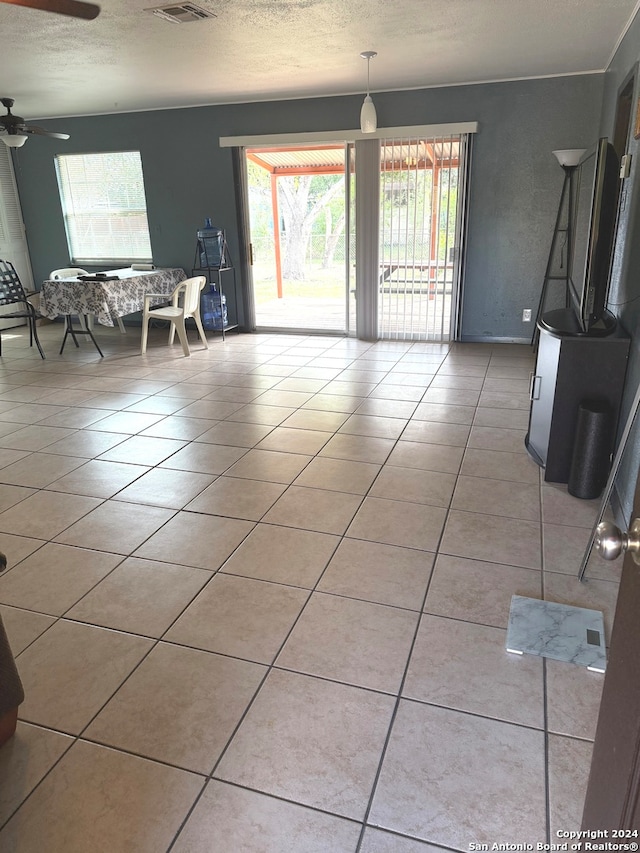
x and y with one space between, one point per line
526 315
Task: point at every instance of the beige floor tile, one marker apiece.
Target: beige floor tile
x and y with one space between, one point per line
398 523
334 402
235 434
213 410
569 764
269 465
45 514
254 413
184 429
442 413
385 574
165 487
282 555
377 841
54 578
237 498
16 548
452 396
500 465
573 699
593 594
313 509
491 538
204 458
505 400
356 642
202 541
118 801
290 440
70 671
34 437
76 418
23 626
340 475
311 419
242 617
497 438
431 432
471 383
564 549
466 666
478 592
415 485
448 777
12 495
86 444
127 422
39 470
385 408
374 427
143 450
24 760
310 741
498 497
279 397
232 818
7 457
97 478
115 526
158 405
206 693
427 457
122 600
559 507
358 448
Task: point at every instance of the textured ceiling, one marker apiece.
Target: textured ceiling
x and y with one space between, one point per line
128 59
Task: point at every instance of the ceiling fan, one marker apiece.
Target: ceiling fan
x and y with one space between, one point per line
14 132
74 8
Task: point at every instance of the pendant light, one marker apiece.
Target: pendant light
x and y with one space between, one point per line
368 118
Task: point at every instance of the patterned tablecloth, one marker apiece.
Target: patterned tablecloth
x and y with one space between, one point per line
106 299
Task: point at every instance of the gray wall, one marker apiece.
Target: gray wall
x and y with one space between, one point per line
514 193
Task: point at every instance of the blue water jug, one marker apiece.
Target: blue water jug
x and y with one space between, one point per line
213 309
211 245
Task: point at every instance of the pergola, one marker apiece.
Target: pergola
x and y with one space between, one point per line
395 155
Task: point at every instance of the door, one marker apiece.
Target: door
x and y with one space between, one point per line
299 223
613 793
421 205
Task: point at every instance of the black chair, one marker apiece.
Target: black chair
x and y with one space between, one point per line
13 293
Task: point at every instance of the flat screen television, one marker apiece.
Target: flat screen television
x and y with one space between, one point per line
593 233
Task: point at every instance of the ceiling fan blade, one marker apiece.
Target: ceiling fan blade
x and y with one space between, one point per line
40 131
74 8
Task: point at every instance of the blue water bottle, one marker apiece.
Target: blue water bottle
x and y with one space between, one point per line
210 245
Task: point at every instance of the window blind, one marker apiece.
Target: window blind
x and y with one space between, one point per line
104 207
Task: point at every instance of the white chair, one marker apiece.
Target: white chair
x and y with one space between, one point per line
185 303
70 272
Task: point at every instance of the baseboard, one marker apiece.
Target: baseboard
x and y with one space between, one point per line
480 339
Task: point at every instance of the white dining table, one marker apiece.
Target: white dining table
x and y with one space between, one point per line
107 299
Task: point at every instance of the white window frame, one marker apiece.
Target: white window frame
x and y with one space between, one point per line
103 209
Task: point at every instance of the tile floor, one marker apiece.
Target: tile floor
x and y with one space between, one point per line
258 599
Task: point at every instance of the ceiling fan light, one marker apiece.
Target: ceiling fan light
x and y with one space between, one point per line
368 117
14 140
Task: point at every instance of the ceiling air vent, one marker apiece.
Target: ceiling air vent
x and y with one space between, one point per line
181 13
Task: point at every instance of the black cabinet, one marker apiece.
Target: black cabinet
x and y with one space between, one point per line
571 368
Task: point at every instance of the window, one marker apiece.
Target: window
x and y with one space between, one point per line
104 207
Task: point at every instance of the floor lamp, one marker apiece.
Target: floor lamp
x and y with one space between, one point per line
558 265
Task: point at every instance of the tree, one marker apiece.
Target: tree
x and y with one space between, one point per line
302 199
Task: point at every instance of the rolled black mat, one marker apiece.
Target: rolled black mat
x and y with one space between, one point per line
591 450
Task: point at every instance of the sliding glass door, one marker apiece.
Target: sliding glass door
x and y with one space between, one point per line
299 202
421 182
